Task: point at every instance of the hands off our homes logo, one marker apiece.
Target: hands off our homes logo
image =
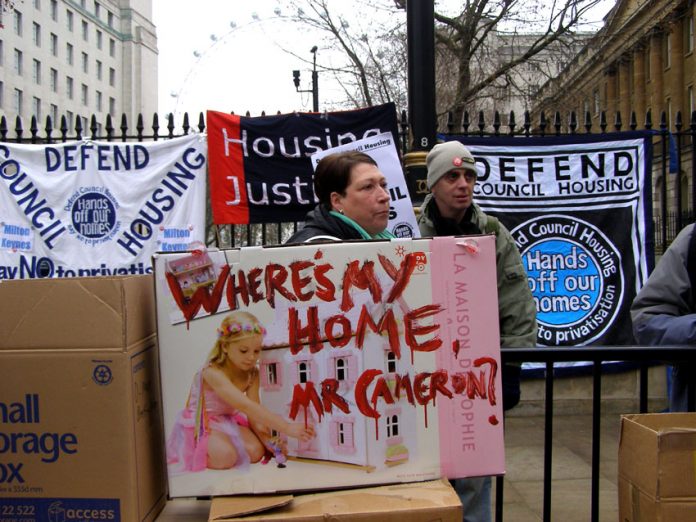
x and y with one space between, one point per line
575 275
93 215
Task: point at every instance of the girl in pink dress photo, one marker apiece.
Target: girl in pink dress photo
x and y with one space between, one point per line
224 425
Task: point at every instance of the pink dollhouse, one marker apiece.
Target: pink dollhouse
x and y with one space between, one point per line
342 438
192 272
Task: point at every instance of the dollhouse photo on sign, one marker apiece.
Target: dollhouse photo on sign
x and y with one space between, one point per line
322 365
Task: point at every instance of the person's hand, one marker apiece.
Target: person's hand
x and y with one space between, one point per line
299 431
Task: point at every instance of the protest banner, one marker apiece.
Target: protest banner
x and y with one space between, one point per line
94 208
260 171
580 211
384 350
382 149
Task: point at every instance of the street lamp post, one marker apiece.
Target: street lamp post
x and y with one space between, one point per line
315 81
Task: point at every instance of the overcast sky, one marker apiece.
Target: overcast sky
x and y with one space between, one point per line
241 61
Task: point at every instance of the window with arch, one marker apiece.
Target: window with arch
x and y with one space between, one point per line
392 426
303 372
341 369
391 362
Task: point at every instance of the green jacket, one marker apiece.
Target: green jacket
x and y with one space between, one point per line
517 310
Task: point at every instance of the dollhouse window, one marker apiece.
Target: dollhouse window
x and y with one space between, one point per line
392 426
272 373
341 369
303 372
341 434
391 362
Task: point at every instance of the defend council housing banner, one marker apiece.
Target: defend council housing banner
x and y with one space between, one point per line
93 208
260 171
580 210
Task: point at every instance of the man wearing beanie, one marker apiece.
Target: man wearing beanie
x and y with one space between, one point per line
450 210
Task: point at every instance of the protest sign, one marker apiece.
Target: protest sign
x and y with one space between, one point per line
387 351
98 208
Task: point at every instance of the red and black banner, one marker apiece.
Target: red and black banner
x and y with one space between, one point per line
260 169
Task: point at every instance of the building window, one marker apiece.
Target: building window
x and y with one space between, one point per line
112 47
36 107
667 48
19 102
84 95
54 114
100 36
69 19
2 94
112 106
36 71
2 53
69 53
303 372
85 63
97 9
69 87
85 31
18 24
689 34
99 101
54 10
37 5
99 70
18 65
595 101
391 362
271 368
110 18
690 99
36 34
112 77
392 426
54 44
341 369
71 119
54 80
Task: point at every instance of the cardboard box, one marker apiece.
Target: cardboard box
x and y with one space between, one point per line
415 502
657 471
388 350
80 405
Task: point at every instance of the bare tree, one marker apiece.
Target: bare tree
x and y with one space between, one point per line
480 45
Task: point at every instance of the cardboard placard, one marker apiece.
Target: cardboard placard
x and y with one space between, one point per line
389 350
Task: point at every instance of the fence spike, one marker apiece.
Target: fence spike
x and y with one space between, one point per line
94 127
109 128
201 122
588 122
496 123
34 129
603 121
63 128
155 126
3 128
542 123
186 125
481 122
573 122
78 127
648 120
466 123
49 129
557 122
140 126
617 121
527 123
170 125
450 122
678 122
633 124
124 126
511 122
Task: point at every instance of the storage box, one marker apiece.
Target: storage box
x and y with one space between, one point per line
388 350
80 406
657 467
415 502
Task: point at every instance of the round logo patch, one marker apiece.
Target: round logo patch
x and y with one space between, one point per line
575 276
102 374
93 215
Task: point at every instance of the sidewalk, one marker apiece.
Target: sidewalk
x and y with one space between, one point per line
524 446
571 468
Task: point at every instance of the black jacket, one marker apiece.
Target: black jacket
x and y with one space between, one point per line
320 225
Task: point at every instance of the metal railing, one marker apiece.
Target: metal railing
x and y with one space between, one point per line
644 356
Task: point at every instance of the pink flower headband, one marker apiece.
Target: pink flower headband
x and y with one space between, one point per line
235 328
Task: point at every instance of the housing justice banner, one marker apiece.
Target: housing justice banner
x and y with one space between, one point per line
260 169
580 211
92 208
